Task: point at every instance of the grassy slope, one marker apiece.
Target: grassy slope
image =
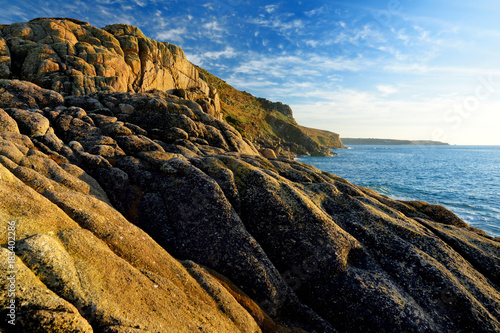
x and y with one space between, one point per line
244 111
252 119
324 138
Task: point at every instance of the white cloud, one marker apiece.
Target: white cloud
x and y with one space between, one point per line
278 24
229 52
362 37
387 90
307 66
172 35
209 6
211 57
401 35
257 83
213 31
316 11
214 26
312 43
140 3
413 68
270 8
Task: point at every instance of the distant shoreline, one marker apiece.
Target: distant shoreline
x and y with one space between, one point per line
361 141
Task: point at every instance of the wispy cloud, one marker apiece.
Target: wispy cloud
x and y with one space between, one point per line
140 3
172 35
455 70
270 8
296 65
228 52
202 58
387 90
214 31
278 24
316 11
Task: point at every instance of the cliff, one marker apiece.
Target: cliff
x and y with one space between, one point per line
265 123
325 138
142 212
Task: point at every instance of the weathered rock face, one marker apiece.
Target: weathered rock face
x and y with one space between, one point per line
75 58
317 253
277 106
80 265
294 134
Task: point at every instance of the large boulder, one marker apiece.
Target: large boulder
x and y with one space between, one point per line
5 62
23 94
31 122
7 124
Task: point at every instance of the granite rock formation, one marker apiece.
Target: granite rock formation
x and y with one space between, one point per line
75 58
140 212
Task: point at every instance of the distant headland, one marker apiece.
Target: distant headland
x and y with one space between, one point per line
360 141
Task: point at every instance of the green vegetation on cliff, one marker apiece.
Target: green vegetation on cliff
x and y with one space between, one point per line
242 110
269 124
324 138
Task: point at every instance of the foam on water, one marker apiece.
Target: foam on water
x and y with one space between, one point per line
465 179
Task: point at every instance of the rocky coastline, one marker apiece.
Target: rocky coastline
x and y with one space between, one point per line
136 207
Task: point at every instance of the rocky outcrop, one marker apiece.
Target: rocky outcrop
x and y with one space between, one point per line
79 265
119 184
324 138
284 109
75 58
296 138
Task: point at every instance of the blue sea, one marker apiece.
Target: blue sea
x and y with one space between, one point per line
465 179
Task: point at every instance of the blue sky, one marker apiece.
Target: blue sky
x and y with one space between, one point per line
402 69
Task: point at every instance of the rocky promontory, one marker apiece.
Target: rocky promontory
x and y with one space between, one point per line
144 211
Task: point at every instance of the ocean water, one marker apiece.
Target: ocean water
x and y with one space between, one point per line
465 179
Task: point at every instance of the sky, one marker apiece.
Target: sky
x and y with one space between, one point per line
399 69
